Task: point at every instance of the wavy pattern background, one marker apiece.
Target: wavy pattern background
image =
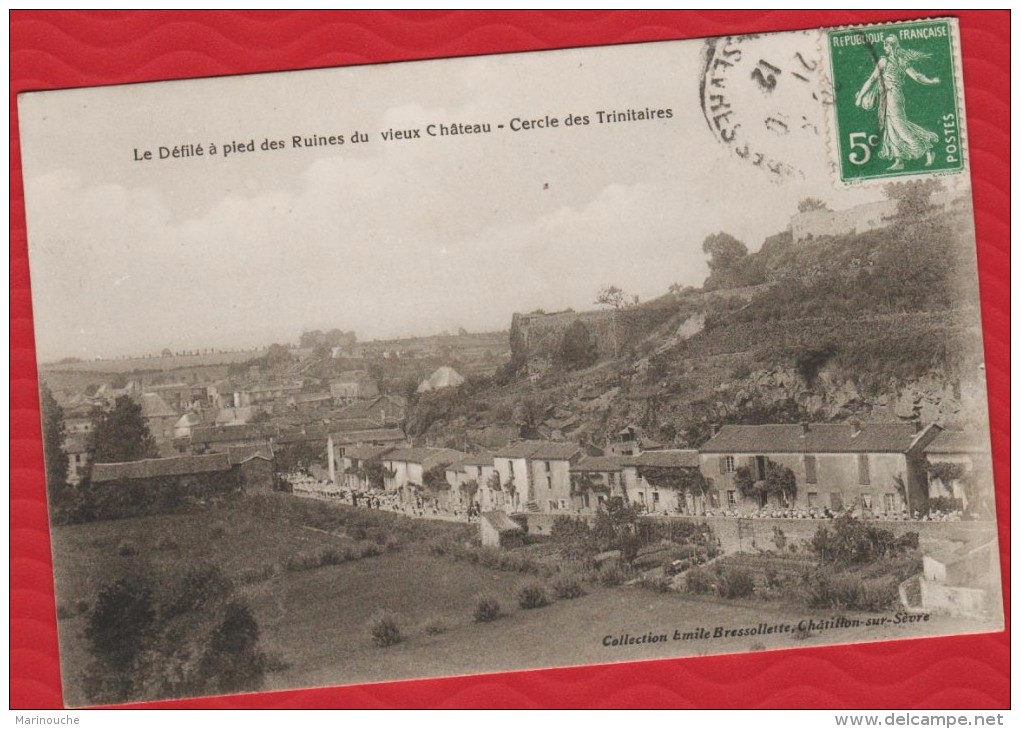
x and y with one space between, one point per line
57 49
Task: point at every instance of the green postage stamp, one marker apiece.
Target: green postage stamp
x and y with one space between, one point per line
896 102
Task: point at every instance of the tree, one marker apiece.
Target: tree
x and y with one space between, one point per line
912 197
611 296
468 489
53 446
120 434
434 479
724 251
118 626
811 203
234 661
578 348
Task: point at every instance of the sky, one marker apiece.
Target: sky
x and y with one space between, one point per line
393 238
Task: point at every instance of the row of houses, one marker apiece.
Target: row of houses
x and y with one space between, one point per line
881 468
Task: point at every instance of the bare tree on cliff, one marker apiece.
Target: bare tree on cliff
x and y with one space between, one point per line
612 296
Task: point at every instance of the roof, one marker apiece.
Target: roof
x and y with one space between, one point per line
226 416
814 438
664 459
366 452
364 408
442 377
499 521
347 425
522 449
310 432
554 451
154 406
597 464
156 467
957 441
369 435
188 420
243 454
75 443
424 455
477 459
228 433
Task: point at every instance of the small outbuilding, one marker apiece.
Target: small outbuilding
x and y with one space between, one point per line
499 530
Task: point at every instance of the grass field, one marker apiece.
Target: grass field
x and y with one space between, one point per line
315 620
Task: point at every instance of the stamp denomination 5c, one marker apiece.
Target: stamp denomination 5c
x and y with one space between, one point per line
897 107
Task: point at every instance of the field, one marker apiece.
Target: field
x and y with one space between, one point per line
313 619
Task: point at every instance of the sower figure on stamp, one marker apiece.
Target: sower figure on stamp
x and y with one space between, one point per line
901 138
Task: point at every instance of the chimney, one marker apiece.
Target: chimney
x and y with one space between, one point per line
715 429
855 428
918 426
805 428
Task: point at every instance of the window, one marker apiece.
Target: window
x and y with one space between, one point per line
863 470
836 501
511 468
731 498
655 499
612 478
866 500
759 468
812 499
641 497
552 505
890 502
563 503
810 469
728 463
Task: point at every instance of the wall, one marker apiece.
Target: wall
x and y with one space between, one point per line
552 485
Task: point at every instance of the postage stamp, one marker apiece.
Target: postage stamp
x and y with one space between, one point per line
897 109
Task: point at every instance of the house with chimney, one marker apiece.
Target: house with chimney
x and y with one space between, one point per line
871 468
954 458
406 468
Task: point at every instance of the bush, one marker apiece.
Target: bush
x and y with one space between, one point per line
532 595
700 581
167 544
384 629
851 541
127 549
434 626
735 582
568 587
251 575
659 583
487 609
612 574
845 590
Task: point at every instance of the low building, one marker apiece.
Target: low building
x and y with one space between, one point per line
535 475
631 441
500 531
160 419
219 438
665 482
77 452
478 468
360 468
595 479
406 468
953 458
441 379
256 466
352 386
339 442
873 468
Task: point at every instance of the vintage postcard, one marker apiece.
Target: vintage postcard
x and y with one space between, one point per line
483 364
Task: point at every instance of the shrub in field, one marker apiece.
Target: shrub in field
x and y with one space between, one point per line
368 549
434 626
568 587
846 590
734 582
331 556
167 544
487 609
612 575
64 611
532 595
251 575
384 629
851 541
127 549
301 561
660 583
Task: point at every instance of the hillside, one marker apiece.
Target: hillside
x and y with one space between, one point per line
878 325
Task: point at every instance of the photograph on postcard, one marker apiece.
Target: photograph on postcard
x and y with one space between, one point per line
507 362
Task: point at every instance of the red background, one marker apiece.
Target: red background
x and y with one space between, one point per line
73 49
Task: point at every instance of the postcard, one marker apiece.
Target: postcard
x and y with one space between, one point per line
533 360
